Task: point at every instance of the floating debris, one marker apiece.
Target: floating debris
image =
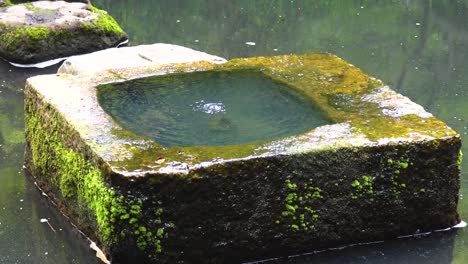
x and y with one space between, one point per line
43 220
250 43
99 253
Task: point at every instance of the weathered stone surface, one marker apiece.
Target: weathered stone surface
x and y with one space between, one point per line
4 3
44 30
385 168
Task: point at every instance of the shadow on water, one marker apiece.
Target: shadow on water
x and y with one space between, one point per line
420 48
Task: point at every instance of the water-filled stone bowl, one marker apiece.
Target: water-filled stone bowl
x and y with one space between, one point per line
162 153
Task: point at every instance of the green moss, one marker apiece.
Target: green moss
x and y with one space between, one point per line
103 23
299 202
403 164
83 185
25 35
362 186
460 159
78 178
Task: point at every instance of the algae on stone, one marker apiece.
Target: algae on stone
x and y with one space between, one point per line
42 30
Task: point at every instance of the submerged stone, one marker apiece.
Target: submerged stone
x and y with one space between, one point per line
382 167
45 30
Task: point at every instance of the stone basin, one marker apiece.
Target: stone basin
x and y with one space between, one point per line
381 167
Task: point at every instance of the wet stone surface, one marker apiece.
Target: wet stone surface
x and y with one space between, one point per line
384 167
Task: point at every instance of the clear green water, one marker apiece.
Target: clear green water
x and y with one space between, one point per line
420 48
209 108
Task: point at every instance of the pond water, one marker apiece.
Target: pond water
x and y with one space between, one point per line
210 108
420 48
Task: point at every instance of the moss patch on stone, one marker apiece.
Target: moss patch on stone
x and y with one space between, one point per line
39 34
104 22
82 186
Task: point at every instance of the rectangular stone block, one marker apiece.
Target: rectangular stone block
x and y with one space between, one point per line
384 167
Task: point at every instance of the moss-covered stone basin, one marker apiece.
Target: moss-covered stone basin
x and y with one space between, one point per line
383 167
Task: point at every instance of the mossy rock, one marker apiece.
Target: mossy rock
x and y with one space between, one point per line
40 31
4 3
384 168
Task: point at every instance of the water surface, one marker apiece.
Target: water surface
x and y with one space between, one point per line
209 108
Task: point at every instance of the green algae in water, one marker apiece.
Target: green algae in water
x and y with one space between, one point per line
209 108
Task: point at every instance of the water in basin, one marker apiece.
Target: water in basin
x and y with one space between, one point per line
209 108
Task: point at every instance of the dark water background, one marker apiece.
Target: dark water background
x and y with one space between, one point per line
420 48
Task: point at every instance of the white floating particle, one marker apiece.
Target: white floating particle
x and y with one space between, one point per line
418 24
250 43
196 40
275 49
21 200
178 21
43 220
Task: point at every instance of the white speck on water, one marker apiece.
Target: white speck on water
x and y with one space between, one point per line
197 40
43 220
275 49
300 74
250 43
177 21
362 7
21 208
46 253
209 108
416 68
418 24
22 200
415 36
357 14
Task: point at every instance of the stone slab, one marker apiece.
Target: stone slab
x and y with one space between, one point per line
384 168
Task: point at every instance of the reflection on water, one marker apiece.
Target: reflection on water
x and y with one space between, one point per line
209 109
420 48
